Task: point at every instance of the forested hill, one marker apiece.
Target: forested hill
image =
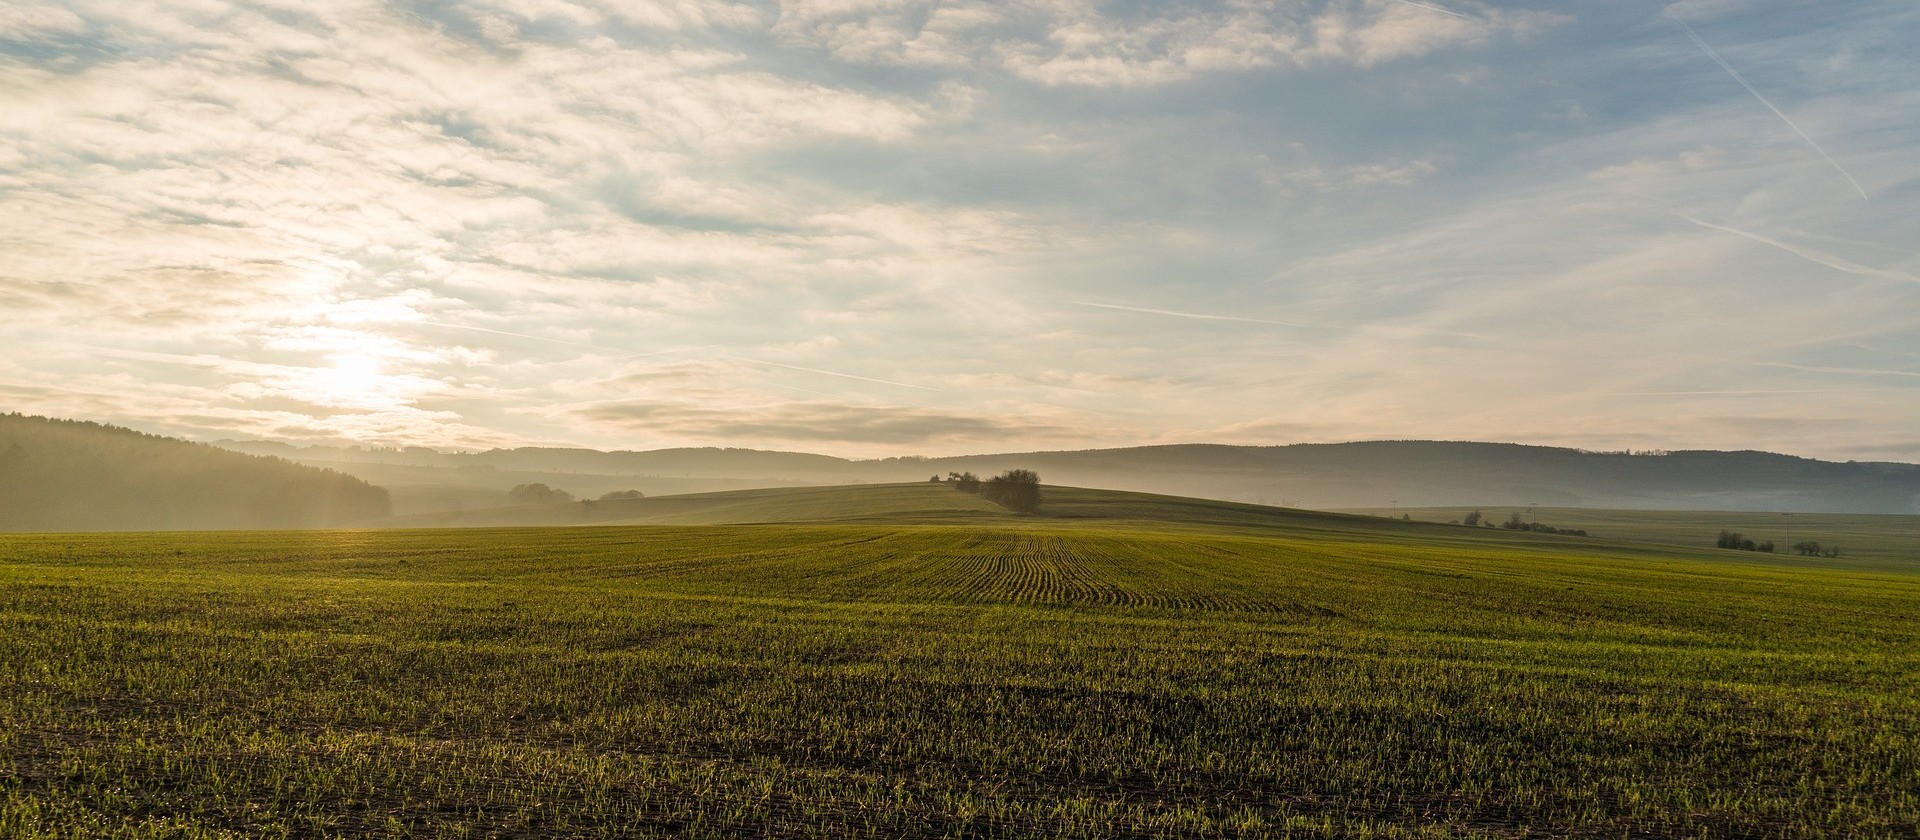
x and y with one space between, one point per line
1327 476
69 475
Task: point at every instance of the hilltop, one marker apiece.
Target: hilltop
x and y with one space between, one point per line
70 475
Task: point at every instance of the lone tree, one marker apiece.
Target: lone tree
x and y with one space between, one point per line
1015 490
537 494
1472 519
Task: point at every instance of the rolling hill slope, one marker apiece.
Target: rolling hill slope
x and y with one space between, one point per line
1873 541
908 503
68 475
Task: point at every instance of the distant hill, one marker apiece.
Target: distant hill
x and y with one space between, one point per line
68 475
424 480
1437 473
1325 476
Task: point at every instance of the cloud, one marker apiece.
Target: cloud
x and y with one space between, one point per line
29 19
818 422
1194 315
839 374
1097 45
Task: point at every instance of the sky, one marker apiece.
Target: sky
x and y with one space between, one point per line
896 227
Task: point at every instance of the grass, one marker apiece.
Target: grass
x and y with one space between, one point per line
1094 674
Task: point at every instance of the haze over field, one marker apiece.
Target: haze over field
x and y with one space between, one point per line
1378 474
876 228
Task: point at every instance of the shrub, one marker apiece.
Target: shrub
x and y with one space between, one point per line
537 494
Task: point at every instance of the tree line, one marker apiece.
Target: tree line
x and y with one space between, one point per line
1515 523
1734 540
540 494
1477 519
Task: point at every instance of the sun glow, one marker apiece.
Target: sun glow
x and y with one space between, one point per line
354 379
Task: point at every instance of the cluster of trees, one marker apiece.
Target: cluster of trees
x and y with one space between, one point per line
1015 490
541 494
964 482
71 475
1515 523
1806 548
1733 540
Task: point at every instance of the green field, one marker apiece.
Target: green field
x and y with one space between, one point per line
1126 666
1875 539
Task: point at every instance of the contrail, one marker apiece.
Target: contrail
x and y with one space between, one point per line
833 373
1721 393
1861 371
687 349
1433 8
627 355
807 391
515 335
205 360
1763 100
1809 254
1185 314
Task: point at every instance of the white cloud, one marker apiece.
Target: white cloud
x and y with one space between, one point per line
1076 42
32 19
